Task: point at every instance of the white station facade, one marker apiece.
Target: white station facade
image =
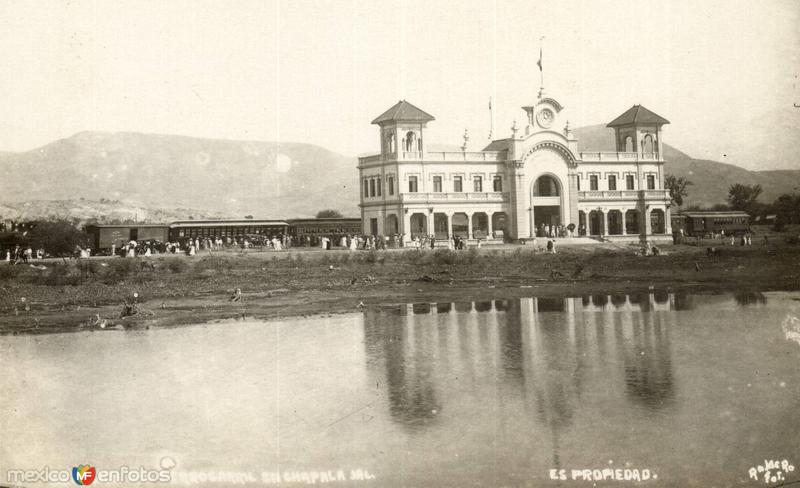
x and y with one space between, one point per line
518 187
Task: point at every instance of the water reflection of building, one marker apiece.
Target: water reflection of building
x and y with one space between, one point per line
538 355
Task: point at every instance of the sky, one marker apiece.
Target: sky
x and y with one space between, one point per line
725 73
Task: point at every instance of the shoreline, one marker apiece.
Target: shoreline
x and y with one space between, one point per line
307 283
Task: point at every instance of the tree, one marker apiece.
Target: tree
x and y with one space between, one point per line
743 197
677 188
787 209
57 238
329 214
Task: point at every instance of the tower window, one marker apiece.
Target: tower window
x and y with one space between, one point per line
612 182
651 182
411 139
437 184
497 183
366 187
579 182
629 182
372 187
477 184
412 184
378 186
390 185
458 184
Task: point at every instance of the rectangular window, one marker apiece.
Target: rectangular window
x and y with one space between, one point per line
612 182
629 182
412 184
366 187
651 182
437 184
378 186
458 184
372 187
390 185
477 184
579 182
593 182
497 183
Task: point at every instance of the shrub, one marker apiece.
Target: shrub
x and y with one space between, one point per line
8 272
176 265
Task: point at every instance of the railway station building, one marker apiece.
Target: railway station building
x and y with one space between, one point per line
519 185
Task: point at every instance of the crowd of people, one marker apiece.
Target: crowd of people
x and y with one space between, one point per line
23 255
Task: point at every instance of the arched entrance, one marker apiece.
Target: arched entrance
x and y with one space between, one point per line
546 204
615 222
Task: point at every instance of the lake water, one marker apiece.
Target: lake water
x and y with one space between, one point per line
686 390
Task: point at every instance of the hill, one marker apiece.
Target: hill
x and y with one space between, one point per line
711 179
103 211
117 176
237 178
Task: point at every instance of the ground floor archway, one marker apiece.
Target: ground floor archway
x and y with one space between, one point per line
499 223
419 225
657 221
615 222
546 217
441 229
392 225
480 225
596 223
460 225
632 222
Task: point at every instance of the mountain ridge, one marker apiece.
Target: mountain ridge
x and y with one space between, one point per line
233 178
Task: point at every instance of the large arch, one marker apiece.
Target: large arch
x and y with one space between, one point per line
547 212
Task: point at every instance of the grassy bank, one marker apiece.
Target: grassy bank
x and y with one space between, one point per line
182 289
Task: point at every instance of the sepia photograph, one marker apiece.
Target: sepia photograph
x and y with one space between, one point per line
401 243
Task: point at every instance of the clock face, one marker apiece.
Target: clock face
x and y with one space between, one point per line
545 118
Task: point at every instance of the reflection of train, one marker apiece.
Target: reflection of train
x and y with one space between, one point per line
699 224
103 236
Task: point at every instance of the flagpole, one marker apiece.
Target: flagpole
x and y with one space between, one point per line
541 69
491 119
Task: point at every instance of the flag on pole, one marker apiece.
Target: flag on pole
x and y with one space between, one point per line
539 63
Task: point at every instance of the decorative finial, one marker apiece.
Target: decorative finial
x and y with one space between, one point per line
466 138
514 130
567 130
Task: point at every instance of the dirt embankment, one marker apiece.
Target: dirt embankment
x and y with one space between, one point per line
174 290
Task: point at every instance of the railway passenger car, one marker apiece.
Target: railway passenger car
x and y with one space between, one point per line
333 228
185 229
700 224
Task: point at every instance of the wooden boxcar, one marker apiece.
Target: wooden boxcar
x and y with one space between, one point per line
701 224
103 236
